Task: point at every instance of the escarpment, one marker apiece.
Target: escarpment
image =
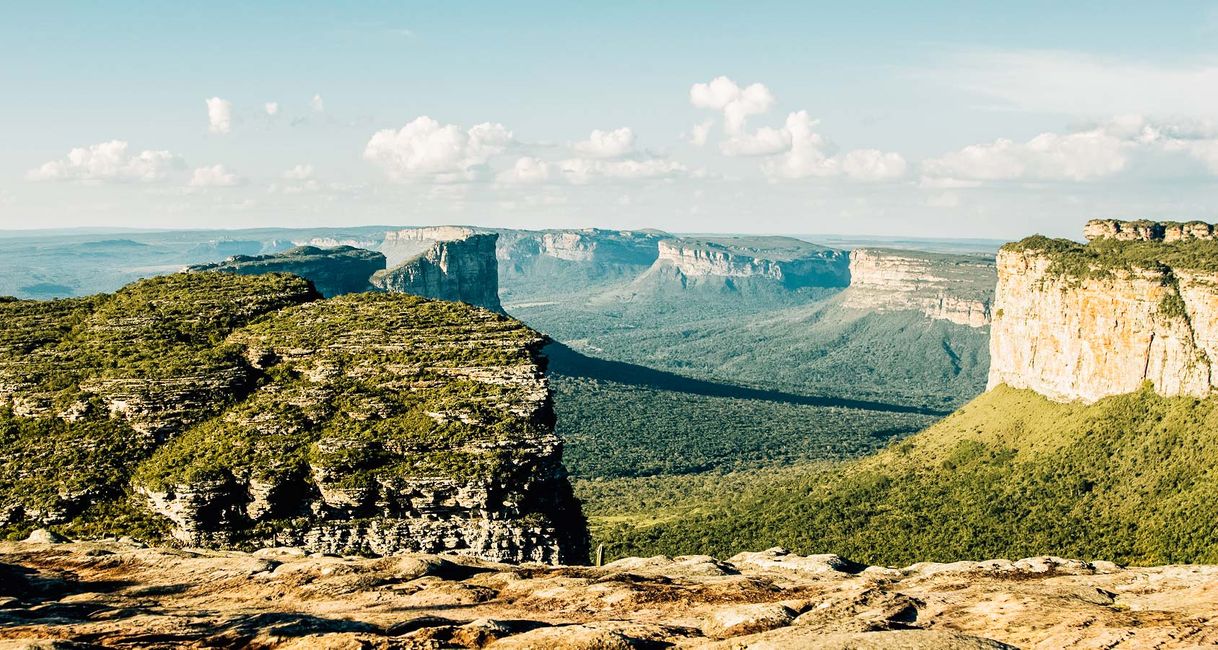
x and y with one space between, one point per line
463 270
956 288
334 271
226 410
1143 230
1082 322
787 262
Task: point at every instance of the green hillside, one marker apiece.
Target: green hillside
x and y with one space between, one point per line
1131 478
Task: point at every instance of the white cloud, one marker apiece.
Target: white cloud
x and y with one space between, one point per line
607 144
580 171
526 170
806 156
219 115
426 148
872 165
108 162
214 176
271 108
299 173
317 104
736 103
699 134
765 141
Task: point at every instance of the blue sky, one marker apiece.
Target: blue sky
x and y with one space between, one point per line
969 119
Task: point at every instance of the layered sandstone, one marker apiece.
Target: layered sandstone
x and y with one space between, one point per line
1072 325
1143 230
334 271
463 270
788 262
401 245
956 288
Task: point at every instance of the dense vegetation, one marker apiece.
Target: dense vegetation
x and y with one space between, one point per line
1100 257
1131 478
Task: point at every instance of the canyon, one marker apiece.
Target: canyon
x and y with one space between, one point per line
955 288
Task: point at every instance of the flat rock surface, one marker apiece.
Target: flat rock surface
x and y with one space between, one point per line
117 594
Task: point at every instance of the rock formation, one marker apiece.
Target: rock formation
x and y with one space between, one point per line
247 412
463 270
334 271
589 245
956 288
1165 231
401 245
1076 322
788 262
283 598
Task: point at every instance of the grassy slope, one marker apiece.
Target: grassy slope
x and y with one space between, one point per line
1131 478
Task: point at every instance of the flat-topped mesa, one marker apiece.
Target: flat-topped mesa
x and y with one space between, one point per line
628 247
464 270
243 411
790 262
1082 322
401 245
1144 230
333 271
956 288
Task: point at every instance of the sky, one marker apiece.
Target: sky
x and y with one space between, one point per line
936 119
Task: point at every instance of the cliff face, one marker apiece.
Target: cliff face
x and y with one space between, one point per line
334 271
242 411
956 288
591 245
463 270
1079 323
785 261
1165 231
401 245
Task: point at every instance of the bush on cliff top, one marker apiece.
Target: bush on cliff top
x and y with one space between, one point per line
1099 258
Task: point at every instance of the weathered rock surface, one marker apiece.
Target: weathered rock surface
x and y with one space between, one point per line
956 288
401 245
464 270
1085 335
334 271
1165 231
110 594
791 263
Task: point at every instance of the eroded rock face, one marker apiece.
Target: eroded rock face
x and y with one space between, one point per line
956 288
401 245
1165 231
789 262
1084 338
463 270
334 271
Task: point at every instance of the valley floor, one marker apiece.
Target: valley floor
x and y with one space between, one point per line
112 594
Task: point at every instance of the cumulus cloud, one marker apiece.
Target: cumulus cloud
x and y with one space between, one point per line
872 165
317 104
526 170
607 144
271 108
108 162
700 133
765 141
219 115
214 176
736 103
426 148
580 171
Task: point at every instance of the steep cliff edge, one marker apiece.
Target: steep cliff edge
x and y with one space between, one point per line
228 410
783 261
1082 322
334 271
956 288
464 270
1144 230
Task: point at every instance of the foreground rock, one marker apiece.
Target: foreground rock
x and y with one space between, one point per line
111 594
334 271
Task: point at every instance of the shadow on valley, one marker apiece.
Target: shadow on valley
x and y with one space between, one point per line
566 361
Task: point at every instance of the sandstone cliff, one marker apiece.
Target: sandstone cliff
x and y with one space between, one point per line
334 271
1166 231
244 411
784 261
463 270
1077 322
956 288
401 245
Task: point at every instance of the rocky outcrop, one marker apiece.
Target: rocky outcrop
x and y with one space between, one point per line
401 245
464 270
589 246
334 271
245 411
284 598
1144 230
788 262
956 288
1074 324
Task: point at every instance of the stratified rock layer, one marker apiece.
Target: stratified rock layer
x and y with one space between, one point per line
787 262
956 288
463 270
1165 231
247 412
334 271
282 598
1072 324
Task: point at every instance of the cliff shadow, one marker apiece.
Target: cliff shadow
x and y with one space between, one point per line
565 361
